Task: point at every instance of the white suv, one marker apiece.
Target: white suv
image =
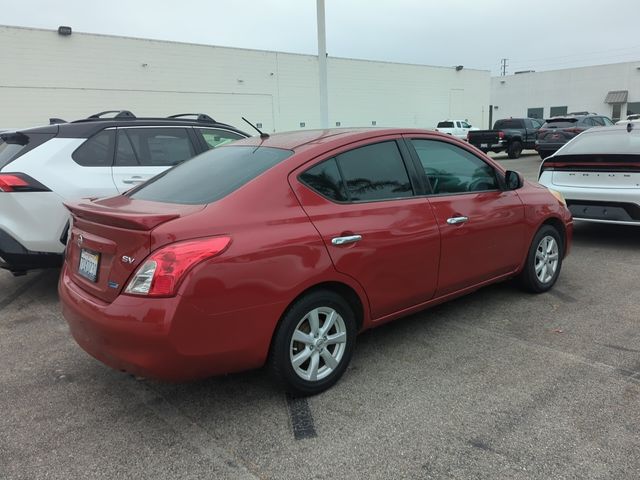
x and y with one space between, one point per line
457 128
42 167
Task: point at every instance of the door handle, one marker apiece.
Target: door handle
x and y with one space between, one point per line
345 240
133 180
457 220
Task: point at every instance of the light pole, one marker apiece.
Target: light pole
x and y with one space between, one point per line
322 66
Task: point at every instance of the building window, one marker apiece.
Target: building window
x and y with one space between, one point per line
633 108
615 113
537 112
557 111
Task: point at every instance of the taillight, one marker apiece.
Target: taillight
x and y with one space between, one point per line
574 130
161 273
541 133
501 135
19 182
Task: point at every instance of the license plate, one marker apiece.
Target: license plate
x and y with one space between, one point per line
88 266
484 145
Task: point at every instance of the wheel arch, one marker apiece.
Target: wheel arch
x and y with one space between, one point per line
560 226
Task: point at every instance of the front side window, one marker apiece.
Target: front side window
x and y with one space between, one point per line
451 169
465 125
216 138
153 147
375 172
97 151
606 121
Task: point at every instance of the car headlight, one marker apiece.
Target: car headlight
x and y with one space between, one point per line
558 195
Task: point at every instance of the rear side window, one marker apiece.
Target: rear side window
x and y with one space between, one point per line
325 179
451 169
8 151
216 138
153 147
97 151
509 123
211 175
375 172
445 125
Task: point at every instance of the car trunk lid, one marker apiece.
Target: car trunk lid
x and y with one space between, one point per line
595 171
110 238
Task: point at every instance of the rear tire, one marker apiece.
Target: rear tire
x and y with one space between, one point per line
514 149
544 261
313 344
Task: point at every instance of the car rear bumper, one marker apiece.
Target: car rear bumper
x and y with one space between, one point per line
162 338
601 205
17 258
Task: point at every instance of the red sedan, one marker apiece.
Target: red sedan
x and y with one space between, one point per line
279 251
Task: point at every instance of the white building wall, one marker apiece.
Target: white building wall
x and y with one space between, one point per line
47 75
580 89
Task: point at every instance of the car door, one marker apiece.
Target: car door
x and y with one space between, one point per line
465 130
481 225
376 229
144 152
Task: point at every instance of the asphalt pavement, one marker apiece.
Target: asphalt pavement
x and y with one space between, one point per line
499 384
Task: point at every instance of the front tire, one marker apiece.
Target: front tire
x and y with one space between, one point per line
313 344
543 262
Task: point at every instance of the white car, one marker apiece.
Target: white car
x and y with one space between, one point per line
457 128
598 174
40 168
634 117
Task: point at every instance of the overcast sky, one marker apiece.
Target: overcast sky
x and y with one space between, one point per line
538 35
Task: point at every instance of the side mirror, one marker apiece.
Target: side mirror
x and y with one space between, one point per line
513 180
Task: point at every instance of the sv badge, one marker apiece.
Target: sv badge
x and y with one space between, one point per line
126 259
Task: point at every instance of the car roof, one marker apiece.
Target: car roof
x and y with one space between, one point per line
303 139
87 127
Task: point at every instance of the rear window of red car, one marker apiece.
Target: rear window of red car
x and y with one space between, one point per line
211 175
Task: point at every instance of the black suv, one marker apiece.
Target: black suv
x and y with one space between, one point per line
557 131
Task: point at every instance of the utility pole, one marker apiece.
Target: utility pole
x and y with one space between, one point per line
503 67
322 66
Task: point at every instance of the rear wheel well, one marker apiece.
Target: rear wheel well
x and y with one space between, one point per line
345 291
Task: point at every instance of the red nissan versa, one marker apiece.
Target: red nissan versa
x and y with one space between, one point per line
281 250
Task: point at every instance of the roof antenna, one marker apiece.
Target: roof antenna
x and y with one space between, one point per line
263 135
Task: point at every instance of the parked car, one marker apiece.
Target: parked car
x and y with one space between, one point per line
96 157
510 134
598 172
557 131
457 128
280 250
634 117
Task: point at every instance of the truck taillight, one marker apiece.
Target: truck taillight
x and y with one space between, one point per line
162 272
501 135
19 182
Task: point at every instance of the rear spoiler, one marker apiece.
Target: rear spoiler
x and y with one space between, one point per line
118 217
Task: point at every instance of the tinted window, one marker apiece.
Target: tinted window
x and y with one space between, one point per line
154 147
509 123
211 175
325 179
8 151
451 169
216 138
616 141
560 123
375 172
97 151
445 125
